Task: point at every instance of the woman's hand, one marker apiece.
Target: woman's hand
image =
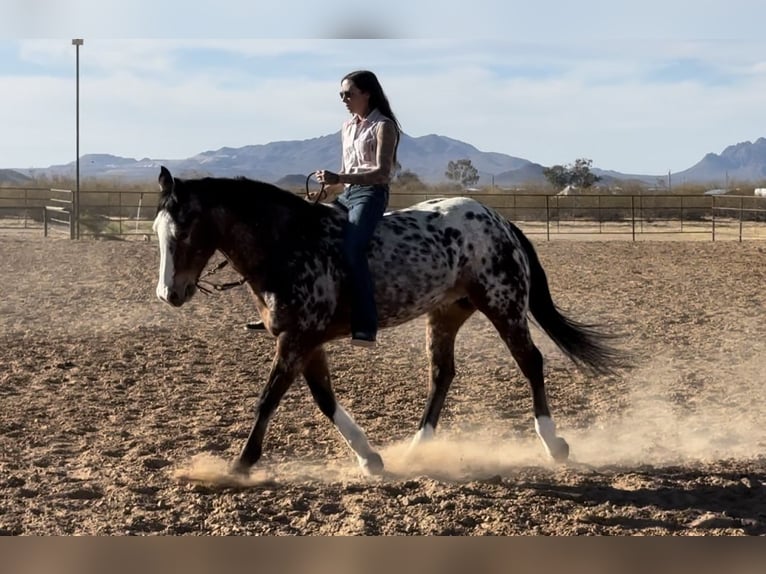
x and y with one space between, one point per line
327 177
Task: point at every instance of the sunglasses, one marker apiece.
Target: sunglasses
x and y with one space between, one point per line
346 94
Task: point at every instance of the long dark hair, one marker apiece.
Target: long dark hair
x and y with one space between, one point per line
368 83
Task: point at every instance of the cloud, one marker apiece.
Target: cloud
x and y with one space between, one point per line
624 104
530 21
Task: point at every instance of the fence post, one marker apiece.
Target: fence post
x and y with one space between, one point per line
73 218
633 216
547 217
45 221
712 212
598 211
138 213
741 201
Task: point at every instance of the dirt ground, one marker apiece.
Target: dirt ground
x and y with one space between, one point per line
119 415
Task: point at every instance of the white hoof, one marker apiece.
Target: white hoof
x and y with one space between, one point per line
556 447
423 435
372 465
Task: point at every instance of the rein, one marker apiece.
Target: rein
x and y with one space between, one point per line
320 196
208 287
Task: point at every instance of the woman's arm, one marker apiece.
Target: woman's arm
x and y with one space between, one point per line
387 137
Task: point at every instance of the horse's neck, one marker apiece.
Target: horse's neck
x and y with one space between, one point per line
251 246
242 247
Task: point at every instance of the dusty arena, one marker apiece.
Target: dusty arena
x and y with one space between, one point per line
119 415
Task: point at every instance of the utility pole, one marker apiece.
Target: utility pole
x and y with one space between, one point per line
77 42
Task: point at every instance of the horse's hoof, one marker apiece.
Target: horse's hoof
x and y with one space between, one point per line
240 468
559 450
373 464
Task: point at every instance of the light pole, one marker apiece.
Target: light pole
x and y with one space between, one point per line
77 42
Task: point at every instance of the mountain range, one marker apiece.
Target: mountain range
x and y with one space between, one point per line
288 162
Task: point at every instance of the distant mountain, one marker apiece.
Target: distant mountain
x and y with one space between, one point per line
529 173
104 166
288 162
744 161
427 156
267 162
294 181
13 177
610 177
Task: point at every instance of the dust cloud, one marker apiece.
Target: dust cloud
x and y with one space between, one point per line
666 423
656 428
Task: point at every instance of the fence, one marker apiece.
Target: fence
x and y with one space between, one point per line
60 211
642 217
27 210
129 214
117 213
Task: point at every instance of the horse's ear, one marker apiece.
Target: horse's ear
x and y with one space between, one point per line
166 181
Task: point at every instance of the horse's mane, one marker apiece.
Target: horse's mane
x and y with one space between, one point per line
250 199
239 192
252 192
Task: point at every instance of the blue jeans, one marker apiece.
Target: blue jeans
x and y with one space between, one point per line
365 205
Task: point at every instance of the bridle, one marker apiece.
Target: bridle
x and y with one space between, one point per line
208 287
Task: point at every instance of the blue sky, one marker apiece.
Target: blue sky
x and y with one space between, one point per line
636 87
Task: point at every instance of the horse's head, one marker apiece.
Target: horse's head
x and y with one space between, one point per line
187 239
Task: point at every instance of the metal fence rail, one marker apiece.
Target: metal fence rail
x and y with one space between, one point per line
60 210
35 209
129 214
117 213
617 216
18 211
17 218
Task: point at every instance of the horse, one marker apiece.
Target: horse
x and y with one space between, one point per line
445 258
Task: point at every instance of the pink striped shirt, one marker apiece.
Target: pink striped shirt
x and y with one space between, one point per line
359 138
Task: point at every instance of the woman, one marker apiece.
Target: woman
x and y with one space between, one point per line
369 142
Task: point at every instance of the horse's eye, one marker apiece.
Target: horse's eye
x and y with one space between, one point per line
182 236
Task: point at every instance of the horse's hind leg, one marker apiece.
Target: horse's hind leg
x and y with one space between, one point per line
515 333
317 374
441 330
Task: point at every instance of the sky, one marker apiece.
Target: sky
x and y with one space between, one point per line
637 87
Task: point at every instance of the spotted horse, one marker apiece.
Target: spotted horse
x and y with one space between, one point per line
446 258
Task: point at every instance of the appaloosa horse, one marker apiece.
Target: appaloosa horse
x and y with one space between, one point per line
445 258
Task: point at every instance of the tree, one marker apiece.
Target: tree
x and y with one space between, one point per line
557 175
582 176
462 171
577 174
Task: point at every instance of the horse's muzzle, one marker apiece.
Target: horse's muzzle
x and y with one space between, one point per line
177 297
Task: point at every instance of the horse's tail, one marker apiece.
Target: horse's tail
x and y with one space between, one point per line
585 344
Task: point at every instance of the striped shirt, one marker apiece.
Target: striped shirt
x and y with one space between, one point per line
359 138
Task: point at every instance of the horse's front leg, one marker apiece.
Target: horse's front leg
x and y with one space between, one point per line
284 369
317 375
